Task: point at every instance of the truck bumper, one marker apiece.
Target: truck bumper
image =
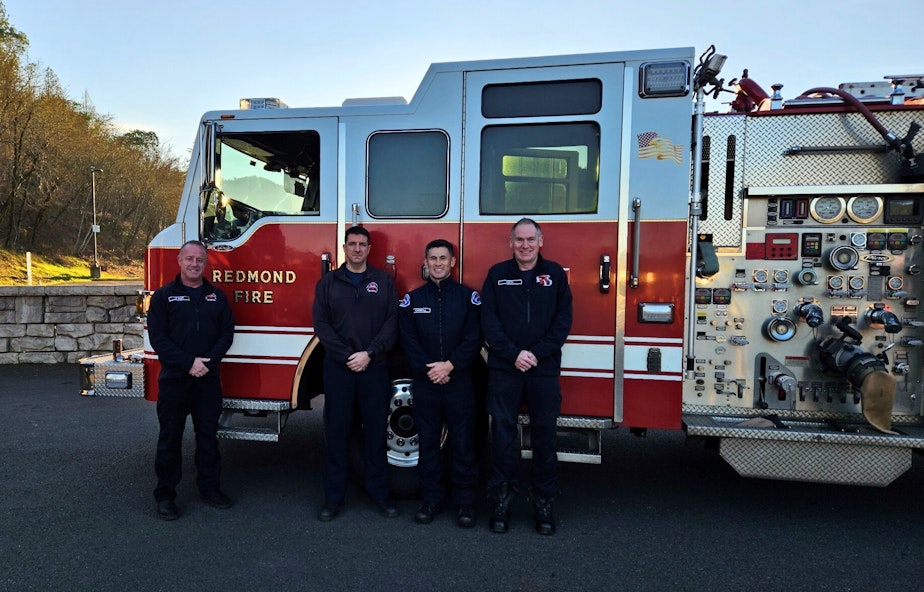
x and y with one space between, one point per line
799 449
102 376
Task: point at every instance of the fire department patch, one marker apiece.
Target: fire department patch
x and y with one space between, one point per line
372 288
406 301
213 297
544 279
476 298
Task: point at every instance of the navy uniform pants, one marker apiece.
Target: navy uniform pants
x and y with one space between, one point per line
345 393
542 394
453 403
178 398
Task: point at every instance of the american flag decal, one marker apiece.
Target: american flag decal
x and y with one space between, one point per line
651 145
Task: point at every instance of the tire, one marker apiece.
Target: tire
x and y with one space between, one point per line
403 445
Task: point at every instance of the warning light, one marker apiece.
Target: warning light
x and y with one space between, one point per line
664 79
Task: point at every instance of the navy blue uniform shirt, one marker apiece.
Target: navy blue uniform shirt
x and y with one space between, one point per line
440 322
531 314
189 323
350 318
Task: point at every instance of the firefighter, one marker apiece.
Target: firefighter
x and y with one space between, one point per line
356 319
440 326
191 328
526 317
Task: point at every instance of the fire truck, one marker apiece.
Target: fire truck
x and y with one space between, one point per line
750 277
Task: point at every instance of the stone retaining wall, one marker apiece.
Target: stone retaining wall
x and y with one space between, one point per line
53 324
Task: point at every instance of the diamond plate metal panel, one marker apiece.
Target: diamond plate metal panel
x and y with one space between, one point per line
723 152
827 432
752 150
816 462
105 364
698 414
590 423
766 162
255 404
250 434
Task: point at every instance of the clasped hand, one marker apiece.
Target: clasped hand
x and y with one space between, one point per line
199 369
526 360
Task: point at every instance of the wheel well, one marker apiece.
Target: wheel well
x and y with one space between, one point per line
310 375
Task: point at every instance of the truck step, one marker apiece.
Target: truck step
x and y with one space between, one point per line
252 412
248 433
574 456
578 439
255 404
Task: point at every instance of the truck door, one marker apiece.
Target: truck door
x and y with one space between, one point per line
271 224
571 147
544 143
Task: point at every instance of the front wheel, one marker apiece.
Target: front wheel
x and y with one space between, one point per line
403 441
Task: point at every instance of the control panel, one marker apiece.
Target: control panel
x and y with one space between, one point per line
813 269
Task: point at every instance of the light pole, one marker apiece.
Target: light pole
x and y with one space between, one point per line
95 270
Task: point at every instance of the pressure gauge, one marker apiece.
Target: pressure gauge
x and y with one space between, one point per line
779 306
828 209
780 276
761 276
864 208
895 282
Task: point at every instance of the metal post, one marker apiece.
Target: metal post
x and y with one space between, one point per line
95 269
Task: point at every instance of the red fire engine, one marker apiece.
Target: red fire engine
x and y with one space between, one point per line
772 309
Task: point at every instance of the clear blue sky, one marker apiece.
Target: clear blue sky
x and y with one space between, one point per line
158 66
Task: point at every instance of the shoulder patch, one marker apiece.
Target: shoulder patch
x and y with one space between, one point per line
406 301
476 298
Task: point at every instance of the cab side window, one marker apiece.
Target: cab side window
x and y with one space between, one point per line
407 174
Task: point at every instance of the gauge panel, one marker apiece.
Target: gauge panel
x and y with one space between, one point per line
864 208
828 209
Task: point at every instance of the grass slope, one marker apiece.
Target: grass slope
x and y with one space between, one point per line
59 269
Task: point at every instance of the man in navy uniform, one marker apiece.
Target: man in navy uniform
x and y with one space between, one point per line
526 317
356 319
441 335
191 328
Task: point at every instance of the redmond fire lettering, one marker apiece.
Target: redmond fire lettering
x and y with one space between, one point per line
253 276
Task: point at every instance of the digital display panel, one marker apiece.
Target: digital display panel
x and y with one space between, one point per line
903 209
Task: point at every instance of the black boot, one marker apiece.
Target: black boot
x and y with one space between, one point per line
502 496
545 518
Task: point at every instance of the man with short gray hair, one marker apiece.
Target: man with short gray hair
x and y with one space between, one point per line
526 317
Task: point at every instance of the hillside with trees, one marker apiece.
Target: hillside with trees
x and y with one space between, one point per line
48 144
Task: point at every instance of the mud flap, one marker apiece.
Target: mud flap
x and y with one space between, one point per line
877 394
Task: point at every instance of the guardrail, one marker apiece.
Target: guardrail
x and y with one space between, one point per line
55 324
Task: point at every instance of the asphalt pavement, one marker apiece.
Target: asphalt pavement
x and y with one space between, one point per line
661 513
